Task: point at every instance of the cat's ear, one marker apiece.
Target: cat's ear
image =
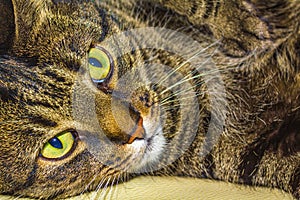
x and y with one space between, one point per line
7 25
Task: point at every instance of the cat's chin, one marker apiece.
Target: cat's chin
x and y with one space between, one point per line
152 148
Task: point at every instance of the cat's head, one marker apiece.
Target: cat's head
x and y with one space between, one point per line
83 102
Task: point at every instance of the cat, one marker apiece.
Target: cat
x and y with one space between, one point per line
94 93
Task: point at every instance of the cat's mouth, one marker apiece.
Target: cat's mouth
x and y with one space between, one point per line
148 144
139 134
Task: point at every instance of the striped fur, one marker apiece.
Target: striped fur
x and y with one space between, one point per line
257 53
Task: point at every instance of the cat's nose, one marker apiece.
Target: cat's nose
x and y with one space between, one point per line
121 121
138 131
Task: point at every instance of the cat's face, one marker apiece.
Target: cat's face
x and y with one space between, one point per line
87 107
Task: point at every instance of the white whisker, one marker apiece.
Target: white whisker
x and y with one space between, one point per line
183 92
194 95
103 192
88 185
97 193
187 61
18 197
111 188
187 78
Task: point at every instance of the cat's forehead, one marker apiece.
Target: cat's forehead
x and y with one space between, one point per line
27 93
63 32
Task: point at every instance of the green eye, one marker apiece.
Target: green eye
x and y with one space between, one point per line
58 146
100 64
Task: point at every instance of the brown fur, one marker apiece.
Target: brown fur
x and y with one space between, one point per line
44 45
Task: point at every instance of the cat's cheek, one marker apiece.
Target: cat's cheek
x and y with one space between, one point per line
73 175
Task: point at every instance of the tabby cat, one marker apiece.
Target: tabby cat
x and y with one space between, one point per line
94 93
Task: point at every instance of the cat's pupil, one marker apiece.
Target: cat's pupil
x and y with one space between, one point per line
55 142
95 62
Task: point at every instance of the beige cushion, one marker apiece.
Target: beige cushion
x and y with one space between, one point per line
162 188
